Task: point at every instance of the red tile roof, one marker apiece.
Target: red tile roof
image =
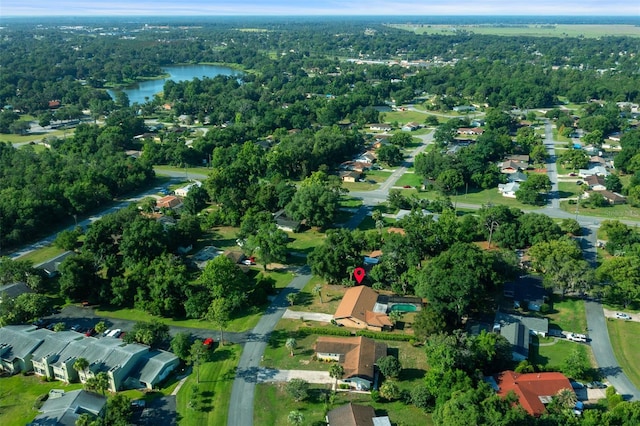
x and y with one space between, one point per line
532 388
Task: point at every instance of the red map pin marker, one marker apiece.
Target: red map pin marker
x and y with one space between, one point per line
359 274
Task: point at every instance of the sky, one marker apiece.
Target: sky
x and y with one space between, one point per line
318 7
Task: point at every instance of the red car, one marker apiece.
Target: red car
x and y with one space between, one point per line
208 342
90 332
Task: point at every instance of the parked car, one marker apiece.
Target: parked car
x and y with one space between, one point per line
75 327
575 337
596 385
208 342
90 332
622 315
106 332
138 403
577 385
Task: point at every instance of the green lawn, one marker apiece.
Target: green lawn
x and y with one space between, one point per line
304 242
42 254
555 354
19 393
36 137
377 175
479 197
569 315
273 406
164 168
238 324
211 405
569 189
359 186
411 179
626 347
623 211
403 117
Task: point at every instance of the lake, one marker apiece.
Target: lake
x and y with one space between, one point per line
147 89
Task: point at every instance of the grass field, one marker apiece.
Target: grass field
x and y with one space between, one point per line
555 354
411 179
568 189
35 137
42 255
404 117
477 197
243 323
199 170
561 30
623 211
19 393
210 404
626 347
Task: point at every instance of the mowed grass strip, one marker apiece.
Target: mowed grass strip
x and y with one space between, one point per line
19 393
211 405
626 347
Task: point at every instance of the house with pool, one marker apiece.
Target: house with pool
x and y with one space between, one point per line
362 307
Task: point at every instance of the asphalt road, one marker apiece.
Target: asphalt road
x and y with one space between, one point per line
243 391
87 317
603 352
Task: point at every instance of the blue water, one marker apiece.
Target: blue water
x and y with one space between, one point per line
404 307
141 92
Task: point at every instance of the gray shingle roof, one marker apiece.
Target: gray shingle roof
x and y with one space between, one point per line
15 343
14 290
66 409
152 364
53 343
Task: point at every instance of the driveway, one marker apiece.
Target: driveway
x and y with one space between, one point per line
311 316
602 350
268 375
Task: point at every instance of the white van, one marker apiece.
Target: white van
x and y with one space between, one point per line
114 333
577 337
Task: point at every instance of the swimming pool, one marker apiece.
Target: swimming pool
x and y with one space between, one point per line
403 307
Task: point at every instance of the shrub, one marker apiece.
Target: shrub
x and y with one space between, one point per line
375 396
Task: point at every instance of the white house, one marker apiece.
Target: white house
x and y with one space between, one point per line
183 191
508 189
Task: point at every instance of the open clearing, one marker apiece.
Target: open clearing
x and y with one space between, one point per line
626 346
561 30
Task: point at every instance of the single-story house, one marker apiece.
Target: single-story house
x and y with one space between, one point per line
285 223
13 290
613 197
50 267
355 415
527 289
595 183
183 191
517 177
521 159
169 202
357 355
64 408
350 176
509 166
357 309
156 366
410 126
464 108
381 127
508 189
534 390
519 336
597 170
538 326
470 131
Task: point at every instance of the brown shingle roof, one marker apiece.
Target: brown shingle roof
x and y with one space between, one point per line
351 415
169 201
356 302
357 354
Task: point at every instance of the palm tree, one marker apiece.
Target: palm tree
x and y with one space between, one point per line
291 345
318 290
291 298
337 372
102 382
566 398
81 364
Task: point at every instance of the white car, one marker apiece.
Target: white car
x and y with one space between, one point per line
623 316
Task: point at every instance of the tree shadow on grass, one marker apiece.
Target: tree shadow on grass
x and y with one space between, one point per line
411 374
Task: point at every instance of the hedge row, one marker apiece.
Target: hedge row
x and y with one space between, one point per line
364 333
